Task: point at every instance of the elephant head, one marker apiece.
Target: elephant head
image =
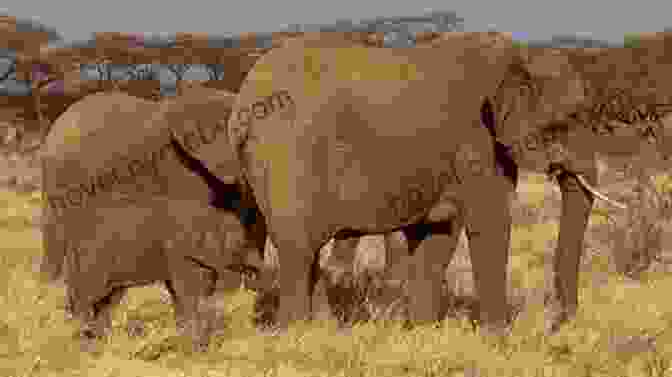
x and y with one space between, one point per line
630 92
624 94
627 92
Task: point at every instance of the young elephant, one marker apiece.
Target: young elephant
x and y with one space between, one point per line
186 244
109 158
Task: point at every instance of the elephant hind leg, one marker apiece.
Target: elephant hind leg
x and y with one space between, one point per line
488 224
334 290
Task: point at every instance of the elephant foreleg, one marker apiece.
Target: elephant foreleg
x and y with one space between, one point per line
488 224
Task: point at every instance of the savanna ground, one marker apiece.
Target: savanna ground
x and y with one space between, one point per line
621 329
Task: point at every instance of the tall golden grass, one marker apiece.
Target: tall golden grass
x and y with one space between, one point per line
621 328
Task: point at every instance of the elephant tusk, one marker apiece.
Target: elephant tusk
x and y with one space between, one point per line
598 194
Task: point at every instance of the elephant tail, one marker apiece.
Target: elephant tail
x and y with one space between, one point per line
53 246
53 239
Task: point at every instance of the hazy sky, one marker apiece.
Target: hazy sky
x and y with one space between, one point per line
602 19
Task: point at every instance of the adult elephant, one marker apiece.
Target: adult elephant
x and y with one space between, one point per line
346 141
627 97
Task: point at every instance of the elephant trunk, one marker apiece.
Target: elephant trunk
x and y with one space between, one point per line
576 206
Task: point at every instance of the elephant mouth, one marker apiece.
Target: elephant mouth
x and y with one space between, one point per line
555 169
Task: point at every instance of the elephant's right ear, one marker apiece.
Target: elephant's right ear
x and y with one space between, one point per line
541 87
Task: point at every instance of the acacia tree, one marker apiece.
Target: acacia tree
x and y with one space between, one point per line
104 72
18 38
8 67
143 72
398 31
227 58
571 41
179 70
215 71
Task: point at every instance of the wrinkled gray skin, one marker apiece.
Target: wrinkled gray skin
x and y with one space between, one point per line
184 244
108 131
330 164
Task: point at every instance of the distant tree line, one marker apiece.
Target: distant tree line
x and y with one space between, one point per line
397 31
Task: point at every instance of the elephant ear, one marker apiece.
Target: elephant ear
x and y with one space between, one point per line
540 87
199 119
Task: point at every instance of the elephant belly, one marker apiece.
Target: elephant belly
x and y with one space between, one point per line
390 202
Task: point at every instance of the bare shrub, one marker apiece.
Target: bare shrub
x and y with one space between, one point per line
637 237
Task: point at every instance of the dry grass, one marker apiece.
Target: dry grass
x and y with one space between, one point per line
620 329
